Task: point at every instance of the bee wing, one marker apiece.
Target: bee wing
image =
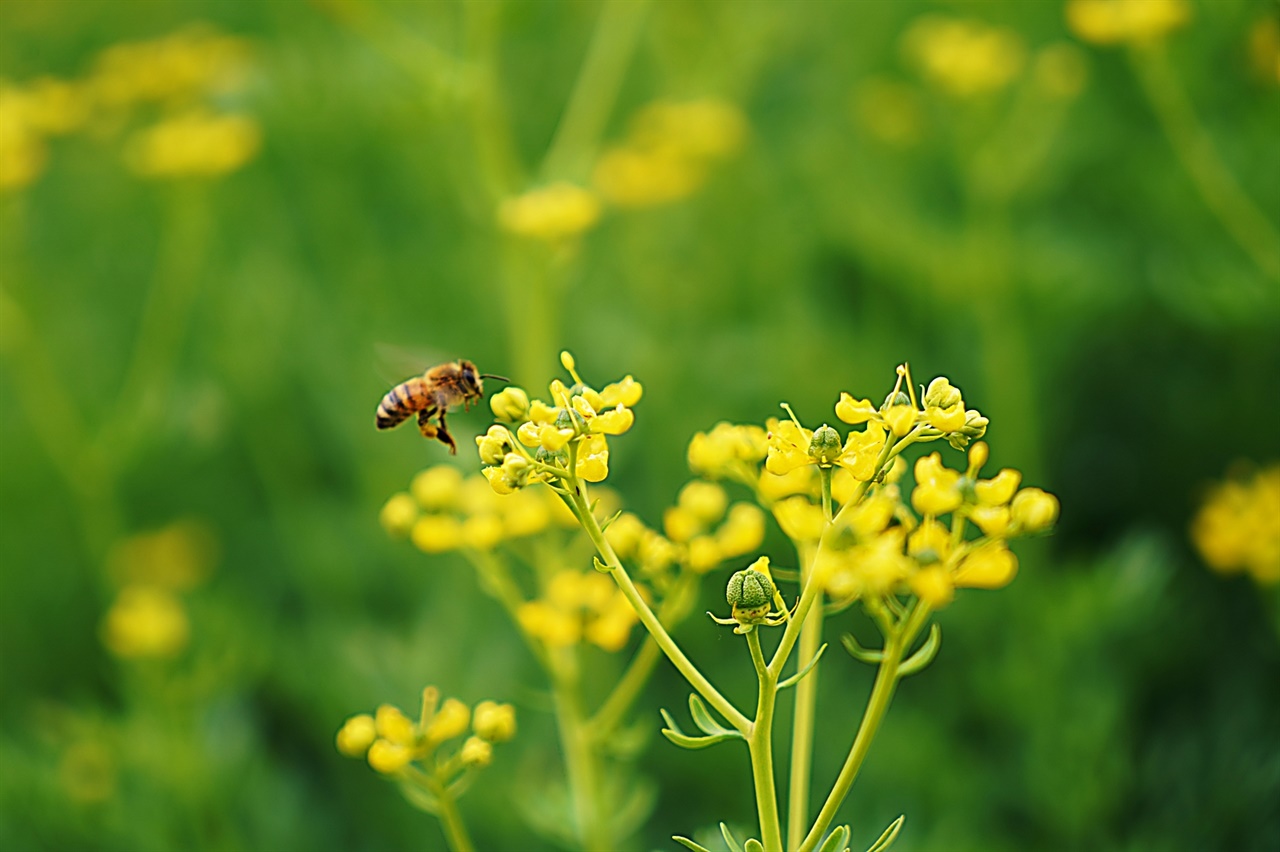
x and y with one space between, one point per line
394 362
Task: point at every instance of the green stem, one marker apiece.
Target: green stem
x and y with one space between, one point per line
806 703
497 582
1217 186
579 757
896 644
455 831
596 89
647 617
760 745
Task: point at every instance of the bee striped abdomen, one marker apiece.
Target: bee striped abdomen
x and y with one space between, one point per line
401 402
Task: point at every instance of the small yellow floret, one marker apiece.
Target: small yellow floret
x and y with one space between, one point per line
436 533
145 622
392 725
494 722
1109 22
356 735
387 757
551 213
476 752
398 514
988 566
451 720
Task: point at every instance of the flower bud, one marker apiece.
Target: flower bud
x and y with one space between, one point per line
750 595
398 514
978 456
476 752
494 722
941 394
356 735
494 444
450 720
900 418
388 757
510 405
825 446
437 487
392 725
1033 510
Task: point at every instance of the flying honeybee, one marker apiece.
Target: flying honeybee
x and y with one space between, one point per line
431 395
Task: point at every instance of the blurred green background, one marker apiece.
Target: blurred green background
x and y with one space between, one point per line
1081 236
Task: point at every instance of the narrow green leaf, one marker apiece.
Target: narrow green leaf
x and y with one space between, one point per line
673 733
925 655
703 719
734 845
860 653
600 566
798 676
689 844
837 841
890 834
604 526
752 845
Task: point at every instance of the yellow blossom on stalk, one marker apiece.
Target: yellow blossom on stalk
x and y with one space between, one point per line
552 213
476 752
436 533
624 534
937 488
451 720
872 516
726 449
196 143
788 446
632 177
1033 510
1238 526
999 490
870 570
437 488
965 58
510 405
145 622
494 722
388 758
393 725
994 521
990 565
177 68
944 406
399 514
1108 22
482 532
593 458
625 392
526 513
700 129
855 411
801 480
930 543
706 501
934 586
544 435
356 735
799 518
862 451
577 606
742 532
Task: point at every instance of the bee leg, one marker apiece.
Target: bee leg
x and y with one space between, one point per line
444 435
425 426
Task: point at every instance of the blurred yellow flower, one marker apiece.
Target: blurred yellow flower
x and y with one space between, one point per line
177 68
494 722
965 58
195 143
1109 22
179 556
552 213
356 735
399 514
1238 526
145 622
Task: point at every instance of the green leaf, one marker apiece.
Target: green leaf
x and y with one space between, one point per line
837 841
703 719
680 738
860 653
798 676
734 845
609 520
890 834
689 844
600 566
925 655
752 845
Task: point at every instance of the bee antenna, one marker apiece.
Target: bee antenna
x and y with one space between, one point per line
492 376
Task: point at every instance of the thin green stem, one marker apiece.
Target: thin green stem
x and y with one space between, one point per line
760 745
455 830
896 644
647 617
596 89
1217 186
580 759
806 703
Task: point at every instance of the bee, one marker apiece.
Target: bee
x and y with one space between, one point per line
431 395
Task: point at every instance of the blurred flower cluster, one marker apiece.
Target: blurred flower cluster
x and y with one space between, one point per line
666 157
148 620
1238 526
1108 22
164 96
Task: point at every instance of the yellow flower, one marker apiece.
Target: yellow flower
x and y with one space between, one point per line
624 534
992 520
988 566
855 411
862 451
788 447
544 435
900 419
526 513
637 177
145 622
476 752
451 720
482 532
801 480
494 722
933 586
196 143
494 444
510 405
178 556
800 519
872 516
593 458
1033 510
436 533
552 213
964 58
398 514
437 488
1238 527
614 421
742 532
703 554
700 129
706 501
937 488
625 392
726 449
1109 22
543 621
389 758
356 735
680 524
999 490
930 543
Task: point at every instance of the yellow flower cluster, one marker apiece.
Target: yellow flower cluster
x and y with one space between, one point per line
560 440
551 213
879 547
391 741
965 58
443 510
170 81
1238 527
1108 22
668 151
148 620
579 606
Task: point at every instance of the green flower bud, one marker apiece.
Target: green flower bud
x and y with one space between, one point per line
750 595
941 394
825 446
899 398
